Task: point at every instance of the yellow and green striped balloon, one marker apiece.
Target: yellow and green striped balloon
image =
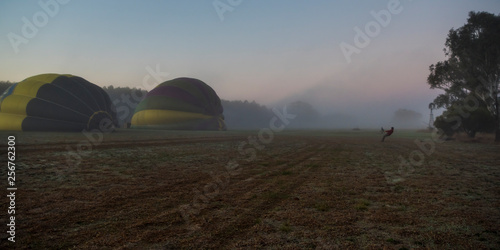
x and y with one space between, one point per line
180 104
55 102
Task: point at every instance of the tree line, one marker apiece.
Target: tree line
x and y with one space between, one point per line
238 114
242 115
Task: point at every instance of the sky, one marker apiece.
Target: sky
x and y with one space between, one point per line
271 52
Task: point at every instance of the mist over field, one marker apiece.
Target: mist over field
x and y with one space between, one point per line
314 110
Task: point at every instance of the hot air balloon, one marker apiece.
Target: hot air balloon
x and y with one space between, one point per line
54 102
180 104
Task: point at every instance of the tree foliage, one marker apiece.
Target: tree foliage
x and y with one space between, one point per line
125 100
246 115
471 73
4 85
454 119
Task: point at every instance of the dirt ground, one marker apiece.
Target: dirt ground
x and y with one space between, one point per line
231 190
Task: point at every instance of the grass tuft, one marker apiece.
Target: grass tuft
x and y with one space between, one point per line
322 206
393 241
285 227
362 205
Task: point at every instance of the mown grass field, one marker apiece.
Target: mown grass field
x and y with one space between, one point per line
222 190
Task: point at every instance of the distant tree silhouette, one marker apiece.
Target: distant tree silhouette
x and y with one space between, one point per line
125 100
4 85
246 115
306 115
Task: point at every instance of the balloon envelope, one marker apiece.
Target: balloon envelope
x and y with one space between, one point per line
54 102
181 103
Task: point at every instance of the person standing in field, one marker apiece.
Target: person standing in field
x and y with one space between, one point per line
388 133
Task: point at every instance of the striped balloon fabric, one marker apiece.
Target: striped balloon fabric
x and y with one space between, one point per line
54 102
180 104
